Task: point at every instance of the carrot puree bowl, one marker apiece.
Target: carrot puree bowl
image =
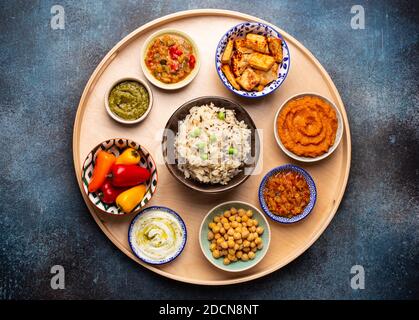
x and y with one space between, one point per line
116 146
338 134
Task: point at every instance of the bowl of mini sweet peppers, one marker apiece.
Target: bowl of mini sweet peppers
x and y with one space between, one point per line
119 176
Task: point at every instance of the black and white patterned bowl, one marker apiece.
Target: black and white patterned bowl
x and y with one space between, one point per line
311 185
117 146
240 31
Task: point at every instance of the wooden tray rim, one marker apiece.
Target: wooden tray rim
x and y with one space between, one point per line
108 59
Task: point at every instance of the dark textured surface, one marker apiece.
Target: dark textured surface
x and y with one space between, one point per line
44 220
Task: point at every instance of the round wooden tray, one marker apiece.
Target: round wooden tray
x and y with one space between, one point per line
93 125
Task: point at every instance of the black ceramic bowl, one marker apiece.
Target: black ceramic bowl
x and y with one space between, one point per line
169 153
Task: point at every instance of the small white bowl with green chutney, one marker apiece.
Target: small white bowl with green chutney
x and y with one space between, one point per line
129 100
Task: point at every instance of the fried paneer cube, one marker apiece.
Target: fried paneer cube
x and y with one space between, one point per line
275 47
249 79
261 61
239 62
267 76
230 76
257 42
228 52
241 45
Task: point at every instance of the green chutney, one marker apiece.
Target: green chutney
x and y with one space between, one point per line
129 100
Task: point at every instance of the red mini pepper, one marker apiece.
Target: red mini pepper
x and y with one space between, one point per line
109 193
128 175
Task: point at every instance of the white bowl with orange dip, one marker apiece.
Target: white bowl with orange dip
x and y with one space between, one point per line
308 127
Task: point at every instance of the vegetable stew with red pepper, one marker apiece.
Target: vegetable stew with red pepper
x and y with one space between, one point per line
170 58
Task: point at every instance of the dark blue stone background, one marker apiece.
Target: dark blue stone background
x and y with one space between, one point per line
44 220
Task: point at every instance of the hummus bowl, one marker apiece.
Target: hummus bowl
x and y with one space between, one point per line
157 235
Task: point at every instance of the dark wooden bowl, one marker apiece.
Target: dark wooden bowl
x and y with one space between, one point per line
169 149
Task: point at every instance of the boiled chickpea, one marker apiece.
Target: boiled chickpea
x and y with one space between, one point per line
223 252
222 231
230 232
216 219
259 230
233 210
246 250
224 245
224 220
245 257
219 224
258 240
220 241
251 255
226 226
249 213
231 251
245 234
246 243
236 246
240 241
237 236
255 222
216 254
250 237
260 246
231 243
217 236
213 246
249 223
227 214
234 224
245 218
225 236
254 249
210 235
239 254
231 256
252 244
216 229
239 219
252 229
232 218
226 261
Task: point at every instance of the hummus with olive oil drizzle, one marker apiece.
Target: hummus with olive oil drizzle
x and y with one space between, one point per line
157 235
307 126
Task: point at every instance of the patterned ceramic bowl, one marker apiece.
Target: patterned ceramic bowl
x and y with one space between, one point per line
117 146
240 31
311 186
138 252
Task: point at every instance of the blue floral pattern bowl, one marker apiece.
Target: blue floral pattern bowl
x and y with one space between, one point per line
240 31
311 186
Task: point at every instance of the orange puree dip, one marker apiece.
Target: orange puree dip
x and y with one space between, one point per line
307 126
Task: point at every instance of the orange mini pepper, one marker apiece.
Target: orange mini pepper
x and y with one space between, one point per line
103 165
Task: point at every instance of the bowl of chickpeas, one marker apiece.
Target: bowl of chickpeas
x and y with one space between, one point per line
234 236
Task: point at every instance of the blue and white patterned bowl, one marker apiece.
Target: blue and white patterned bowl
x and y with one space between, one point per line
168 259
311 186
117 146
240 31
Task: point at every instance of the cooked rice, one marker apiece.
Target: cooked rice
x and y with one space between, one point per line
205 156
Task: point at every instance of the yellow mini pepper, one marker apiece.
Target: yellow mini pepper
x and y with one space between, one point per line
130 198
129 156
